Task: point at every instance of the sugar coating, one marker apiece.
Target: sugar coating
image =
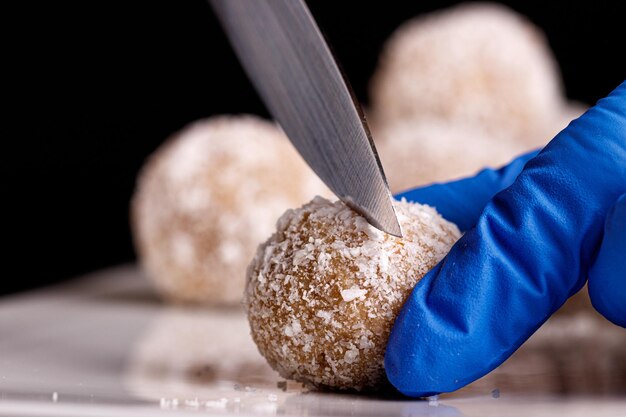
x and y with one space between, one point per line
207 198
323 291
475 63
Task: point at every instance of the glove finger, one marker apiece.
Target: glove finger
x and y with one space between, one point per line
462 201
529 251
607 277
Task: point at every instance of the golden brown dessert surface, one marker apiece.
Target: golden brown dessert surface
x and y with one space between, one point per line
323 292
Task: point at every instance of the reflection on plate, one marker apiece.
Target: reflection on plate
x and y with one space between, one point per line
105 343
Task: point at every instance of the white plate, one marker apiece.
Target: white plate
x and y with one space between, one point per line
105 346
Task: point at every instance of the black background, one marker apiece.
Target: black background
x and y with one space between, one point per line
93 87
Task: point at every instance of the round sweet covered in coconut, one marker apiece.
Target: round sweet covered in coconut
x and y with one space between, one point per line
324 290
207 198
477 63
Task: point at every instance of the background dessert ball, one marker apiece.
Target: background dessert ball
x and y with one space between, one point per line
476 63
414 154
207 198
324 290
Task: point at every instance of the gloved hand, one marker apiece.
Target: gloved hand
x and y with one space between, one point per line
560 219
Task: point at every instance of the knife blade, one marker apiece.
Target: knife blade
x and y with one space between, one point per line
288 61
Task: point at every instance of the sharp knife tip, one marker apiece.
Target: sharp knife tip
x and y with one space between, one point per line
386 222
393 228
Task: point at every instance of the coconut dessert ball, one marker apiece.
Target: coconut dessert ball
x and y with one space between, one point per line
415 154
207 198
324 290
475 63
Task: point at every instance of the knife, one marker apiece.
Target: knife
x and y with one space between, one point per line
284 54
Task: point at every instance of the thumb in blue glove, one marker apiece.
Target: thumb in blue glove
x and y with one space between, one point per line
526 250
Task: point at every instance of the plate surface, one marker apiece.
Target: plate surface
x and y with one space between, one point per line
104 345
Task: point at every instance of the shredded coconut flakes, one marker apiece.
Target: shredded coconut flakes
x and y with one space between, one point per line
324 290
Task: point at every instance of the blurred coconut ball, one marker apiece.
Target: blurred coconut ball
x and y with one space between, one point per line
478 64
324 290
205 200
415 154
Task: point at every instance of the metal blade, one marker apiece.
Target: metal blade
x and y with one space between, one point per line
292 68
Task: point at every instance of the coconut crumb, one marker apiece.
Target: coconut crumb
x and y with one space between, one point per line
352 294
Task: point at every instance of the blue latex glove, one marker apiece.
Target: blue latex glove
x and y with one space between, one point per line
560 219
